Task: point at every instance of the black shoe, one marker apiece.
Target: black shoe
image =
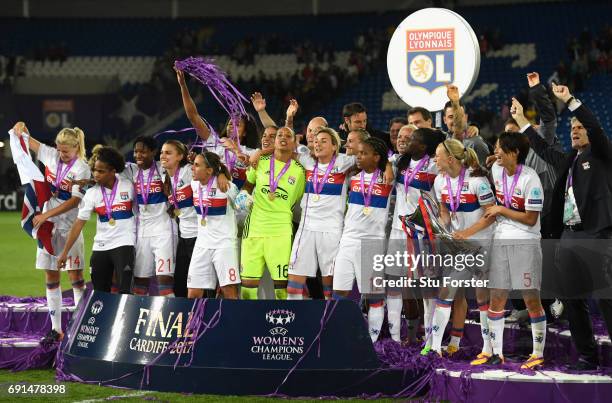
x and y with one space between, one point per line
495 360
51 338
583 365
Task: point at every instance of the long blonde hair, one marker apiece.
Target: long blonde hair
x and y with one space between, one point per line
74 138
466 155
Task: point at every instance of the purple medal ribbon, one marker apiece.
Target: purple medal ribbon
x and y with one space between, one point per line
230 160
570 177
508 194
108 201
316 185
61 174
455 200
368 197
173 187
274 180
409 178
204 209
145 191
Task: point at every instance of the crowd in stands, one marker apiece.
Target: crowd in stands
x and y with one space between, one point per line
587 54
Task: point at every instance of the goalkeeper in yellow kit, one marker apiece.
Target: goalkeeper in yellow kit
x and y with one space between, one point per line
276 185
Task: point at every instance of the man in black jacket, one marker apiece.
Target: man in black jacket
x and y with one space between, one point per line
355 116
547 129
581 210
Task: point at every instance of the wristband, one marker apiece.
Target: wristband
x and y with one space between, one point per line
569 101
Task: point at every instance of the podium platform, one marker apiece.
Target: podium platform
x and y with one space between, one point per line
292 348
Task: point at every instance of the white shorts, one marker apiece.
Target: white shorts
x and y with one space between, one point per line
348 265
154 256
516 266
76 255
208 265
312 249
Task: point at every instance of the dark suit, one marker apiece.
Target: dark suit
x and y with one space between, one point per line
581 257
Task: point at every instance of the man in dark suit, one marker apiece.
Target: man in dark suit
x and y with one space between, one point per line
355 116
581 216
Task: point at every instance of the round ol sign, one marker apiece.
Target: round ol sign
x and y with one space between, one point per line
431 48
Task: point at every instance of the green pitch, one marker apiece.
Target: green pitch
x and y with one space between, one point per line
19 277
76 392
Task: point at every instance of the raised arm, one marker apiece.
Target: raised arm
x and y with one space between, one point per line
545 107
459 125
600 145
259 103
291 111
21 128
190 108
547 152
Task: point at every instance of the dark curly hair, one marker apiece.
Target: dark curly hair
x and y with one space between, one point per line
147 141
380 148
112 158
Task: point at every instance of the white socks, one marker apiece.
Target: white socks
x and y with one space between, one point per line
483 310
394 316
429 306
496 331
54 303
538 332
376 315
78 290
440 320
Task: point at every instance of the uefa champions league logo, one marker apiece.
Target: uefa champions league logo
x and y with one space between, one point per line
279 317
96 307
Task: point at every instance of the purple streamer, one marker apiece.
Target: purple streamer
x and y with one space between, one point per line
208 73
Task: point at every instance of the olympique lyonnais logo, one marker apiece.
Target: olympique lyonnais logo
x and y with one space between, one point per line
431 57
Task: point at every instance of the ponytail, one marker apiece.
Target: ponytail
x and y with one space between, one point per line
466 155
471 161
72 137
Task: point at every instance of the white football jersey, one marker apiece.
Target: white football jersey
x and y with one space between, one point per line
475 192
359 225
327 213
124 231
184 199
528 196
79 171
153 219
220 230
407 198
